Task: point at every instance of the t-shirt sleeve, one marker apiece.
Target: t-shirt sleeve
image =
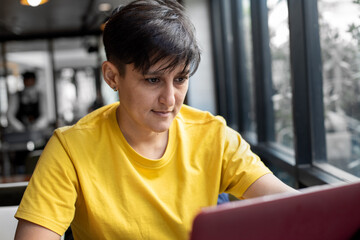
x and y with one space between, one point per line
241 167
50 197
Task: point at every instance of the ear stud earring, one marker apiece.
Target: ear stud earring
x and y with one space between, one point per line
114 88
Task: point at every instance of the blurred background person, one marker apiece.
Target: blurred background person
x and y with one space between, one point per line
27 107
27 124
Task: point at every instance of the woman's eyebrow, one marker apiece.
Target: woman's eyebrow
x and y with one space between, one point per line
156 72
161 72
184 72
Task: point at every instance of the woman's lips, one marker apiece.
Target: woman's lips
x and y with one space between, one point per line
162 113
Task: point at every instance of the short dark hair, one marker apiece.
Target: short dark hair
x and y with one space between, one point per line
145 32
29 74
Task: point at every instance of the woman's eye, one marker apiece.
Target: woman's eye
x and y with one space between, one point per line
181 79
152 80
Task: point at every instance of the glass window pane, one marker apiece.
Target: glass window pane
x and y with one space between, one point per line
249 65
279 46
340 43
29 56
75 60
30 109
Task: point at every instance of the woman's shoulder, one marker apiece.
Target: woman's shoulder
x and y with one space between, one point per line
191 115
93 121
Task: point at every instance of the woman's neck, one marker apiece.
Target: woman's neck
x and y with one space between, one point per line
147 143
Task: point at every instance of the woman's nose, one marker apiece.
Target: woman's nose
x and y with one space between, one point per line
167 96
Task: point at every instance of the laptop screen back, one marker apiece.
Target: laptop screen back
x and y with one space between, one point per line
325 212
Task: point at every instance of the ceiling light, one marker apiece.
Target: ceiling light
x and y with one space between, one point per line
104 7
33 3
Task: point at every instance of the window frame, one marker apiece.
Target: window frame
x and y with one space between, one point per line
307 162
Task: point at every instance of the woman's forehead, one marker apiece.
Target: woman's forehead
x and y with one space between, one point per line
165 65
160 69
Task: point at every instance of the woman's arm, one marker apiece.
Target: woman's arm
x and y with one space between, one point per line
266 185
30 231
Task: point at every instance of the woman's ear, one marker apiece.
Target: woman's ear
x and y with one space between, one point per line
110 74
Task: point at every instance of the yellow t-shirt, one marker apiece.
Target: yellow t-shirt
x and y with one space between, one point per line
90 177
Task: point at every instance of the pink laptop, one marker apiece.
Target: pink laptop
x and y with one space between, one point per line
323 213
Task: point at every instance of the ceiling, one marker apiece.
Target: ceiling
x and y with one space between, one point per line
56 18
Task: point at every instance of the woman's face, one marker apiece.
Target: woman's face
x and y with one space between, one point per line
150 101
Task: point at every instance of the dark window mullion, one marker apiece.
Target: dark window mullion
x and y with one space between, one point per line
314 64
306 82
218 57
262 72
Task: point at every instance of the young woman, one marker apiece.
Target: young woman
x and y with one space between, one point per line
141 168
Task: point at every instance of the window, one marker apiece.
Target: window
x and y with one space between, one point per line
305 63
247 123
75 61
340 45
280 55
31 55
67 72
249 61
